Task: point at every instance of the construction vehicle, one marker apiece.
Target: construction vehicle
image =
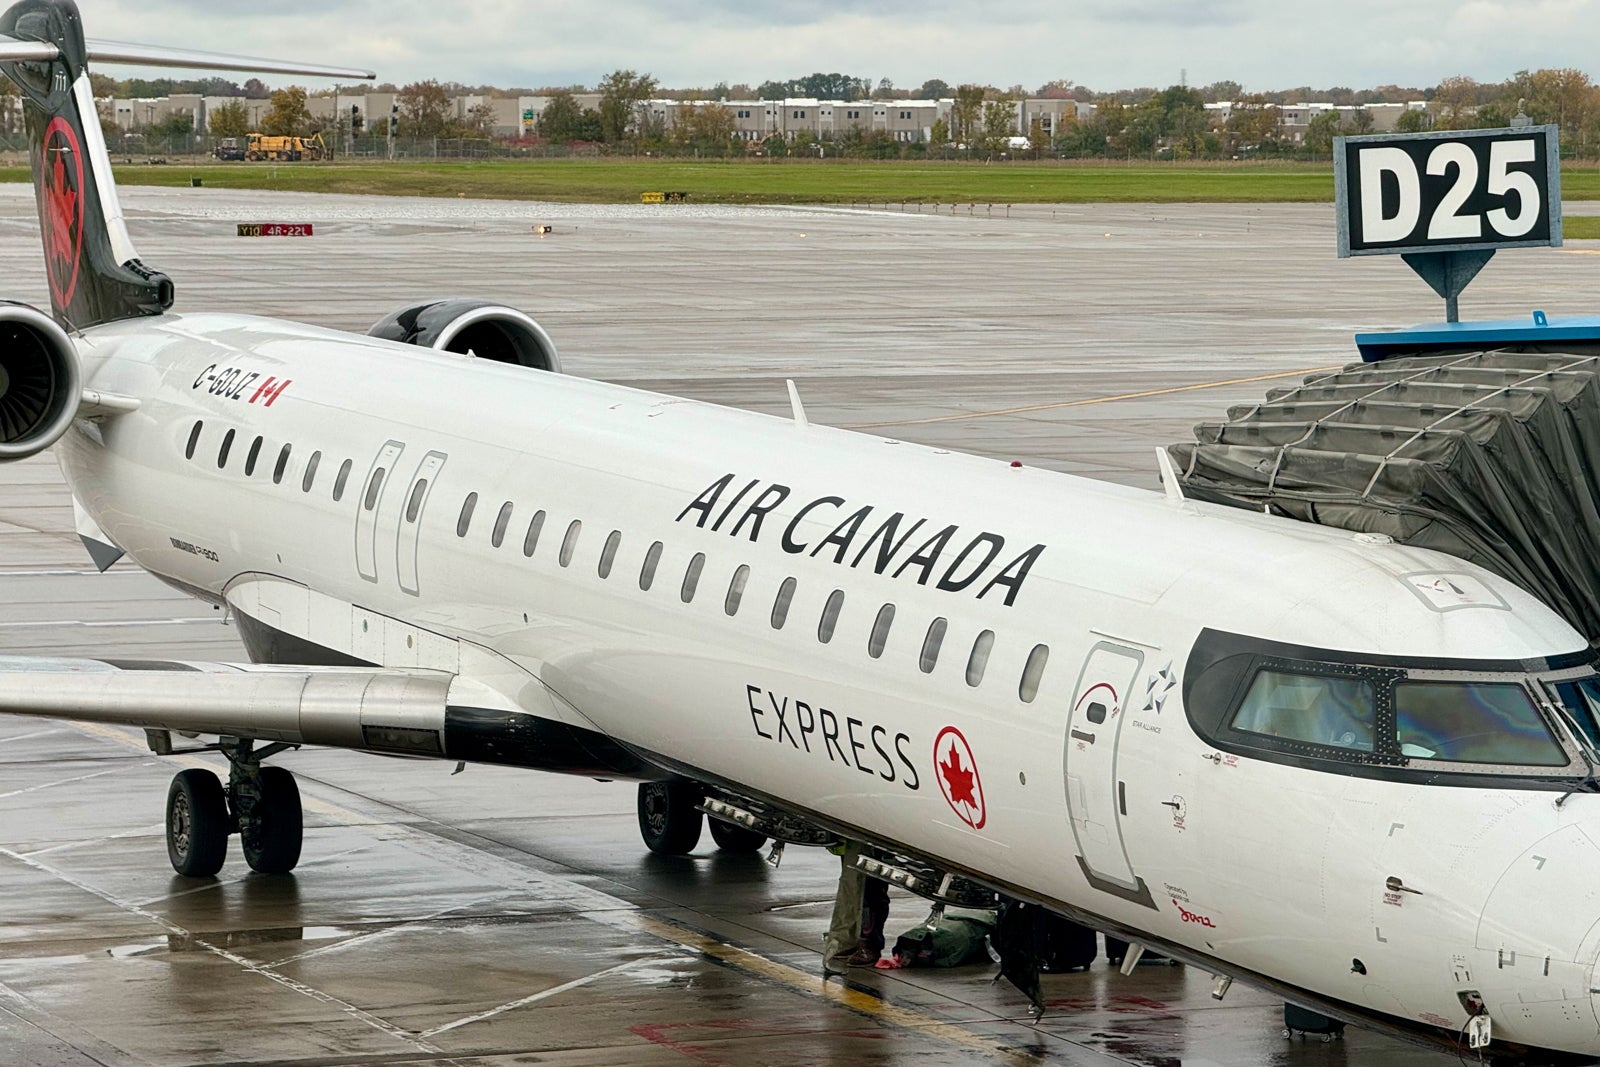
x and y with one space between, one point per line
229 148
260 146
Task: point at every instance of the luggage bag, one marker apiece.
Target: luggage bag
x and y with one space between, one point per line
1303 1022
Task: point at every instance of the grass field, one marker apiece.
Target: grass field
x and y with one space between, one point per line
758 182
1580 227
789 182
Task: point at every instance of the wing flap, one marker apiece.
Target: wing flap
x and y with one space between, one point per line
382 710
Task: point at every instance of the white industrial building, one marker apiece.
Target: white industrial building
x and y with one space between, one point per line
754 120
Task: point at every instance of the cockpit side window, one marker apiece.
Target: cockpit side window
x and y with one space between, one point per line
1333 712
1581 698
1473 722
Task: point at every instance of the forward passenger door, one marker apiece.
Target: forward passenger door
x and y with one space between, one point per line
1096 796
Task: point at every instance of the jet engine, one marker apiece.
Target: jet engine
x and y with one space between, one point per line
39 381
472 328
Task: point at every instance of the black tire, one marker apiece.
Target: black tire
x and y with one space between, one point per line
669 822
731 838
197 823
272 841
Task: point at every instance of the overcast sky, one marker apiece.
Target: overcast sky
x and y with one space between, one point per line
1104 44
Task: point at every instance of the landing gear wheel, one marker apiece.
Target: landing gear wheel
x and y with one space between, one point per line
272 837
731 838
669 822
197 823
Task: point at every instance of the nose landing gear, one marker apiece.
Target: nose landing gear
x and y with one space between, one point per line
260 804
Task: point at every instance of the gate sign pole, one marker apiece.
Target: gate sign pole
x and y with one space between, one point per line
1446 201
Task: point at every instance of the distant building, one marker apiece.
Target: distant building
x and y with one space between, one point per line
904 121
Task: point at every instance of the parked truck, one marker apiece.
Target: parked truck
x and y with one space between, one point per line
259 146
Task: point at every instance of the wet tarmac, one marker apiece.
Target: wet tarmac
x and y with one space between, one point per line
498 917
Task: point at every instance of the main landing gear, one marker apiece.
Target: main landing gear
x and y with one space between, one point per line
261 804
670 821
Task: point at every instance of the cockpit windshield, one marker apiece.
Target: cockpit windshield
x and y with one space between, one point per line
1450 721
1383 716
1473 722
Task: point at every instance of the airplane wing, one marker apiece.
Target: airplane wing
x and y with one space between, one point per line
386 710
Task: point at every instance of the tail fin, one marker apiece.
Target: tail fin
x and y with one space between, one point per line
95 274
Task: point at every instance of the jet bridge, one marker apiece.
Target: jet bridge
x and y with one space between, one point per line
1477 439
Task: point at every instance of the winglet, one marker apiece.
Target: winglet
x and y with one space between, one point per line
1169 477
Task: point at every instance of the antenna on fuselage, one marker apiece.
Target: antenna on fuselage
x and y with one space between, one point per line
795 406
1169 477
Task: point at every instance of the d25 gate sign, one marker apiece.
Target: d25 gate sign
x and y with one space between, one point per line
1448 191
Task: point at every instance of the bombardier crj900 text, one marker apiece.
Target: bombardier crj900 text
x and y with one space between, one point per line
1354 773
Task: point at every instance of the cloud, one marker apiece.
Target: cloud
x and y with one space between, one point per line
1105 44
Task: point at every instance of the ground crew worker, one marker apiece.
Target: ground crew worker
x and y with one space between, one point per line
860 913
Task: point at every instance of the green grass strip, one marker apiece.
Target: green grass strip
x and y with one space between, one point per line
787 181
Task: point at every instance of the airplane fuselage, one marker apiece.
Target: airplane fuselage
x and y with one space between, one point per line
997 668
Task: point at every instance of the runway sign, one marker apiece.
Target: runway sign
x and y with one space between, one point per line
1447 191
274 229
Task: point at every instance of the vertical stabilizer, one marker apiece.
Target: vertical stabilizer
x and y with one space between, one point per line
94 273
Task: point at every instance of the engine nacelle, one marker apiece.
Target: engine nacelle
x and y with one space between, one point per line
40 386
472 327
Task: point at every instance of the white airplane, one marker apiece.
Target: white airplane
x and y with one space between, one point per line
1353 773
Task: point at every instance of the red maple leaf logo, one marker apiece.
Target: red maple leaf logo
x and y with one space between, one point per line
958 779
62 207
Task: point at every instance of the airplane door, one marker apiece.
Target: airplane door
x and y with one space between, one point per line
1096 797
367 509
416 501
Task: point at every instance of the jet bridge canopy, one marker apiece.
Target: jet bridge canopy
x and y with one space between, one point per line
1487 451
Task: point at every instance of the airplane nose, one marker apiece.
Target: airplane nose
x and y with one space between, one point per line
1538 944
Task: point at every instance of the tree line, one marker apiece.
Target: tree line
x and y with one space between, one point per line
1129 123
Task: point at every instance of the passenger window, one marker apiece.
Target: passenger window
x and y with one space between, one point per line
691 577
194 439
608 554
647 573
501 521
222 453
1317 709
979 660
880 631
830 616
930 645
530 540
464 520
1473 722
373 488
1032 672
338 483
780 606
283 464
414 505
250 457
311 472
569 543
730 603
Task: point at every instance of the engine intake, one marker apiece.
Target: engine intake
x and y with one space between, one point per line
39 381
472 328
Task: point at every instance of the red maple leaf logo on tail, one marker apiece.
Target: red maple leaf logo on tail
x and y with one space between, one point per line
61 209
61 204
